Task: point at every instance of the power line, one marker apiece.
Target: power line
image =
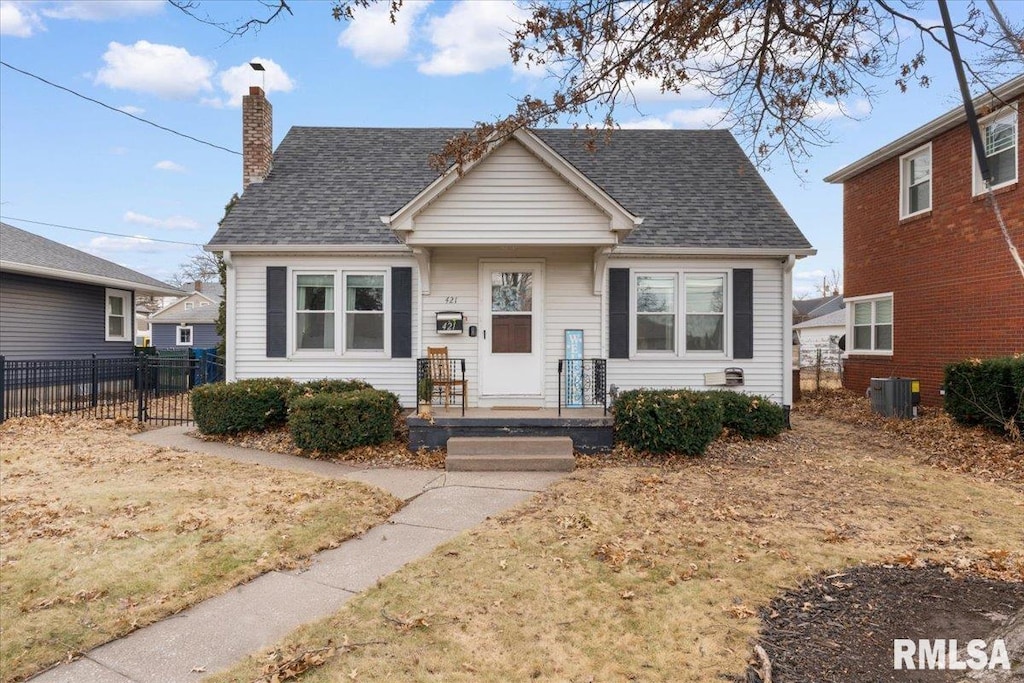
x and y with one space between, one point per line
111 108
101 232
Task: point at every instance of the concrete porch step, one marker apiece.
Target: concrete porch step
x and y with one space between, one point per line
510 454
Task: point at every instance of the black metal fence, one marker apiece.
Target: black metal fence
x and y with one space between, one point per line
441 381
150 387
582 383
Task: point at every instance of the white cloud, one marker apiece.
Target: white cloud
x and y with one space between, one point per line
169 223
651 123
649 90
235 82
820 110
104 246
17 20
701 117
102 10
132 109
372 37
168 165
472 37
163 70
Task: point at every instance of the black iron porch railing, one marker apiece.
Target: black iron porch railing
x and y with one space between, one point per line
441 381
582 383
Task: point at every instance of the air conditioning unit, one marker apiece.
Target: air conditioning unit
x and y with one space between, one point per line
895 396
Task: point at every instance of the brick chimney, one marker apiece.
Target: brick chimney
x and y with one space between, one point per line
257 136
197 286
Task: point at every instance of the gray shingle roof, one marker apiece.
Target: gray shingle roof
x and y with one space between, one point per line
694 188
18 246
828 320
199 314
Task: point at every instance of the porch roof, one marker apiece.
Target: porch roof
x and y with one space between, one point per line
329 186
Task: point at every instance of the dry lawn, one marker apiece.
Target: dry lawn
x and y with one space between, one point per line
645 573
101 534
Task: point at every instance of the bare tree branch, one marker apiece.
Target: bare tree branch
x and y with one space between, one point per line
236 28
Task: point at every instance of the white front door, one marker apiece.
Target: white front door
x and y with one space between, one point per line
511 332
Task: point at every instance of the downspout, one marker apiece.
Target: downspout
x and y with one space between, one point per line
229 327
787 332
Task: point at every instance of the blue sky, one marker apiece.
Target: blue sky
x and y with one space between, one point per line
67 161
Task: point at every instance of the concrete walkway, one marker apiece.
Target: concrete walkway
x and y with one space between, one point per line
221 631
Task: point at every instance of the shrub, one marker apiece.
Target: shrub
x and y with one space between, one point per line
667 420
332 422
987 392
326 386
748 415
246 405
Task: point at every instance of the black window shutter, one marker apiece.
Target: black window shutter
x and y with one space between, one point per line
743 313
277 311
401 312
618 312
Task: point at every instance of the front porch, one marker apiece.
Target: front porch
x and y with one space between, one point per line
589 428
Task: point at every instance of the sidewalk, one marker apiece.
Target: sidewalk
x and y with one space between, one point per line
221 631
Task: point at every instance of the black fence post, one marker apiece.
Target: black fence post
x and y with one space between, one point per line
559 387
94 395
3 389
462 362
140 386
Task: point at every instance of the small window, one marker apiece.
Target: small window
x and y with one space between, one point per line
999 135
705 313
117 321
655 313
184 335
916 182
189 305
364 312
872 325
204 304
314 312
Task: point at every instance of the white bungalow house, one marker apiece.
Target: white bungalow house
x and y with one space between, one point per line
661 254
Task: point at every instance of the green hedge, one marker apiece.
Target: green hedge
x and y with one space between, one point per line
987 392
667 420
332 422
326 386
750 416
246 405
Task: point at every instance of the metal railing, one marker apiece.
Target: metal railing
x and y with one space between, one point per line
582 383
146 387
439 380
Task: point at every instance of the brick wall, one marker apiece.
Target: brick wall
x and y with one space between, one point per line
257 136
956 291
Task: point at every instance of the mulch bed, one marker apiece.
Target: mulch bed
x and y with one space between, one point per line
840 628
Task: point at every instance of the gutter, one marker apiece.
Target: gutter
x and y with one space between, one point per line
59 274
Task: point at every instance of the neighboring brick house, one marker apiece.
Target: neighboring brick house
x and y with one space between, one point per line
928 277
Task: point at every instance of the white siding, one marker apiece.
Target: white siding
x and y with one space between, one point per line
511 197
394 374
569 303
763 373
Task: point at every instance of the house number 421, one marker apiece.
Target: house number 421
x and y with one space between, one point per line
451 299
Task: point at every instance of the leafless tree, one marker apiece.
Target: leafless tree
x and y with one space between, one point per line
203 266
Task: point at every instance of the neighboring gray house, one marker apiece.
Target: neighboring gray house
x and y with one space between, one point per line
662 251
822 333
59 302
191 321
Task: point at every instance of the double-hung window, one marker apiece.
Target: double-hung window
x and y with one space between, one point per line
872 325
656 312
364 312
353 321
916 182
184 335
1000 137
705 312
314 312
680 312
118 315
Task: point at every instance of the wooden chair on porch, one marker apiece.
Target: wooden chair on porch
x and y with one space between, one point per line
442 375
